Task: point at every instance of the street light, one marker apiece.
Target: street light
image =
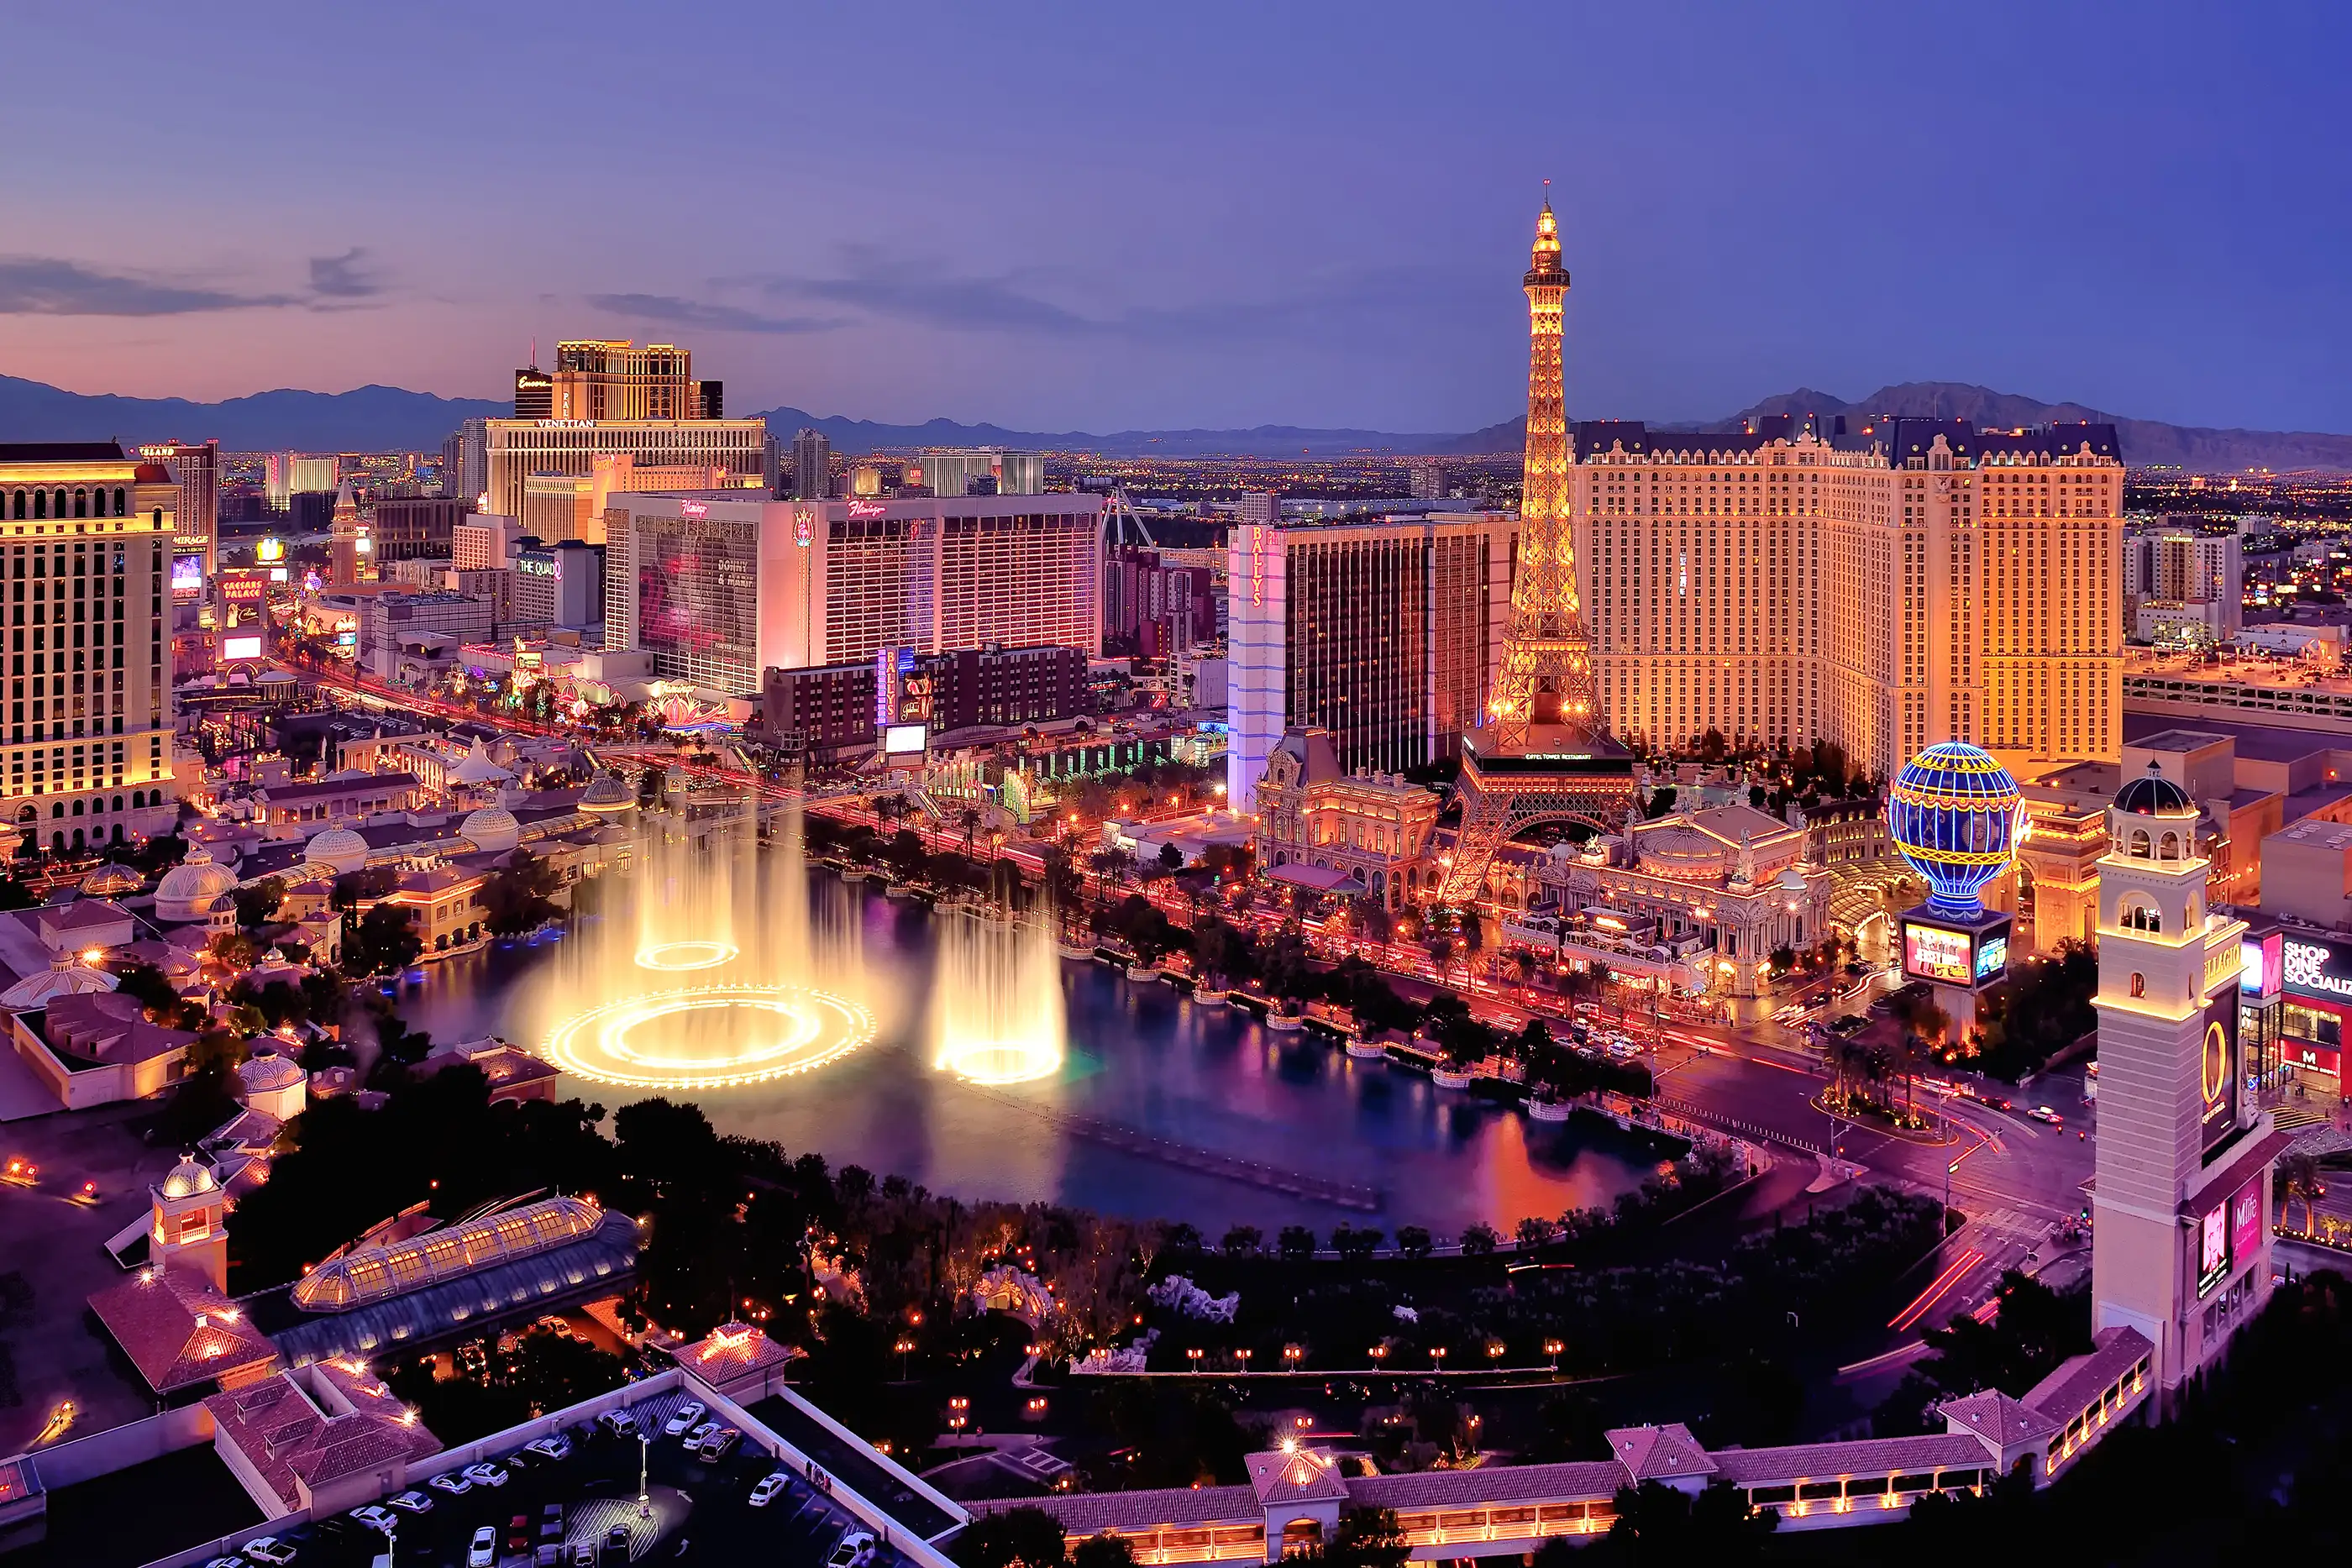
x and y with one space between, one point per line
1437 1354
1193 1355
1552 1348
645 1496
903 1347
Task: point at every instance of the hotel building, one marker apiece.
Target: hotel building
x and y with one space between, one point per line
1918 582
718 589
196 472
517 449
1385 633
87 536
595 379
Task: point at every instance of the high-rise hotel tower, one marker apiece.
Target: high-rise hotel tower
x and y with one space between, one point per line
86 537
1884 589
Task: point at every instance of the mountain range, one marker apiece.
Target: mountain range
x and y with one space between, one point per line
380 418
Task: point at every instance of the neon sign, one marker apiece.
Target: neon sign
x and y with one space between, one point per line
693 508
867 511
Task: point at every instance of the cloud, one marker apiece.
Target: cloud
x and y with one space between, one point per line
1338 307
340 277
674 311
51 285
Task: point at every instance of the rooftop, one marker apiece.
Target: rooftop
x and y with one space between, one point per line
178 1331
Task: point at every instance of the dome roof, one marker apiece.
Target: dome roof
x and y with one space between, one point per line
2153 795
110 879
493 829
1675 848
608 791
263 1074
338 846
63 978
198 876
1953 813
188 1179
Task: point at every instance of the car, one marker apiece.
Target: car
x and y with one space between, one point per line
855 1549
554 1325
484 1475
619 1423
554 1446
267 1549
769 1486
550 1523
684 1418
583 1555
455 1485
548 1557
226 1562
2044 1114
483 1553
376 1517
701 1433
617 1538
719 1445
413 1502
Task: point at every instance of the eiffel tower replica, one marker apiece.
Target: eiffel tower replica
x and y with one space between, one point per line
1543 754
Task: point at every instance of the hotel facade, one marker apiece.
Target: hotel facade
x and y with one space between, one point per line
87 540
1382 633
1916 582
718 589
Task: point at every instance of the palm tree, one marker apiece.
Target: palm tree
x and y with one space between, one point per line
968 820
2300 1181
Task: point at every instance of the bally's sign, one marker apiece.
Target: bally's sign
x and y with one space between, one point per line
2309 969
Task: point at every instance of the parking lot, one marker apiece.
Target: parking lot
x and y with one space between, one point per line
701 1512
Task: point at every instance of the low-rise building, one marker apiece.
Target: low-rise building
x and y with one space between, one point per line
1366 833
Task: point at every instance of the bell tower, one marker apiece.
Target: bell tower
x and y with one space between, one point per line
2181 1203
188 1228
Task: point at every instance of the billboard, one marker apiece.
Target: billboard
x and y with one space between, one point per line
903 739
235 648
187 575
2312 968
2218 1071
1932 953
2246 1224
2212 1248
1948 956
2262 966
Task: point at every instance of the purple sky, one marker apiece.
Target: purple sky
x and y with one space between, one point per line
1097 216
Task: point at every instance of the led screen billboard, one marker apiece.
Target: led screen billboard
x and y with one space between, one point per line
234 648
903 739
2217 1070
1932 953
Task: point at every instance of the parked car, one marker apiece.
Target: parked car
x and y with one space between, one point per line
619 1423
617 1539
376 1517
701 1435
554 1446
550 1523
226 1562
413 1502
683 1419
486 1475
855 1549
455 1485
484 1551
268 1548
555 1326
774 1481
548 1557
719 1445
583 1555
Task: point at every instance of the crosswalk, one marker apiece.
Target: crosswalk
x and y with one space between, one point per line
1993 1217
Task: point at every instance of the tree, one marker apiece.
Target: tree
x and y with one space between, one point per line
1784 958
1355 1243
257 905
354 888
1659 1524
1104 1550
515 897
1172 859
1297 1244
1413 1240
1367 1538
969 819
1533 1231
386 939
2299 1182
1479 1240
1241 1240
1029 1537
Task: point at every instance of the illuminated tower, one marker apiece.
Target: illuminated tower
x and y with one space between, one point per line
343 541
2181 1236
1542 754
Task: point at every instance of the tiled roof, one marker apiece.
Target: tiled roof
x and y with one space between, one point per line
1996 1417
83 913
1303 1475
1088 1513
2251 1157
286 1434
280 794
1657 1453
1490 1485
2068 1391
177 1330
732 1350
1805 1461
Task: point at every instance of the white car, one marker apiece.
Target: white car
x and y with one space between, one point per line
683 1421
702 1434
268 1548
484 1475
377 1517
484 1551
226 1562
455 1485
619 1423
2044 1114
854 1550
554 1446
770 1485
413 1502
